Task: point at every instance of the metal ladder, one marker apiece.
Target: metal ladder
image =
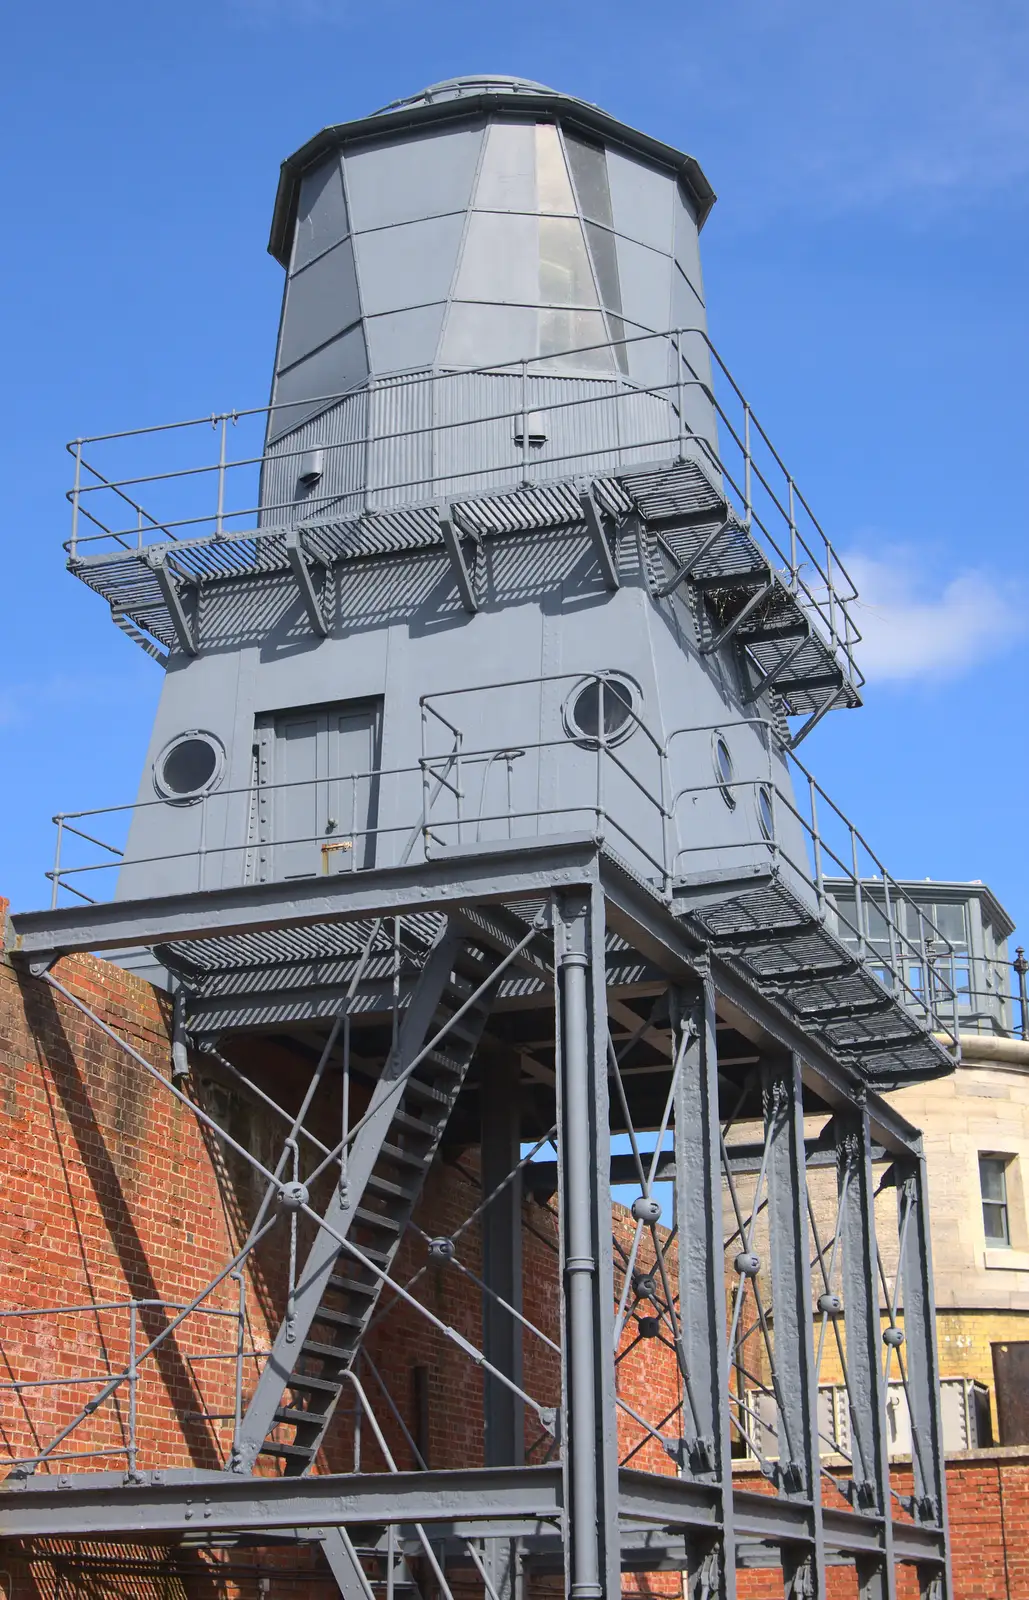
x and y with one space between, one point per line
389 1161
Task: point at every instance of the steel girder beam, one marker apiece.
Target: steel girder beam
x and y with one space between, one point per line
487 873
923 1379
866 1390
796 1389
590 1434
698 1215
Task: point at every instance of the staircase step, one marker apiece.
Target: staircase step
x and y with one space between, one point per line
327 1352
302 1419
353 1286
403 1158
388 1189
338 1319
401 1119
289 1452
730 580
377 1219
459 1030
445 1063
304 1380
425 1092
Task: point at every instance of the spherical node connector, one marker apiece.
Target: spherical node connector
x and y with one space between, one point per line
649 1327
441 1249
747 1264
293 1196
830 1305
893 1337
646 1286
646 1209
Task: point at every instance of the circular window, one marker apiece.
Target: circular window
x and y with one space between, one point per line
189 766
603 709
765 813
723 768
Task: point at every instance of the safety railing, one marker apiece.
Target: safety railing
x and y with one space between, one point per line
425 437
775 818
99 1411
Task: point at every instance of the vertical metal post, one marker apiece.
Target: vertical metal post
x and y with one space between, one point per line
861 1325
789 1251
133 1334
859 899
75 493
698 1215
680 400
219 519
914 1270
589 1433
56 876
747 507
1021 966
503 1411
237 1399
525 421
793 537
816 844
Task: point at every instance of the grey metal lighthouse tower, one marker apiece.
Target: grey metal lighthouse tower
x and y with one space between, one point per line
488 645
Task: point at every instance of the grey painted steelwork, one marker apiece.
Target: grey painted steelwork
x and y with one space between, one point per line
489 643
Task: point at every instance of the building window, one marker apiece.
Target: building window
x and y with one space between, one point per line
189 766
993 1186
602 710
723 769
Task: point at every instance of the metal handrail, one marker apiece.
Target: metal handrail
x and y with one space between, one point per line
829 607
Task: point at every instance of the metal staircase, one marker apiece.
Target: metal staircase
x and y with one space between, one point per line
743 597
388 1162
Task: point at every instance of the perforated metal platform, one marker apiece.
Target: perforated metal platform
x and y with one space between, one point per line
781 945
683 515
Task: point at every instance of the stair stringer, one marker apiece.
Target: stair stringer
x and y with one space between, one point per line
421 1021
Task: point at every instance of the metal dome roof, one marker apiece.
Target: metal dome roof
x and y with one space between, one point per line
472 84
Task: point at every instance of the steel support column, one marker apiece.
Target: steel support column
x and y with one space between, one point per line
865 1386
698 1214
589 1434
795 1388
503 1411
915 1274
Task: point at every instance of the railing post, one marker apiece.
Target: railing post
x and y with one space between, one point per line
816 843
859 899
525 421
133 1314
747 488
891 928
793 538
76 489
237 1403
218 528
680 394
56 875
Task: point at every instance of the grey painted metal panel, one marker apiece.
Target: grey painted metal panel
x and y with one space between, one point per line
408 265
488 335
641 200
645 277
588 164
507 176
404 341
421 175
321 300
500 261
338 366
321 212
687 243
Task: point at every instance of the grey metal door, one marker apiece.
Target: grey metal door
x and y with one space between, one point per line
317 791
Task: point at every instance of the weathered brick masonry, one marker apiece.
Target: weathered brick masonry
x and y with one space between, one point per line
112 1191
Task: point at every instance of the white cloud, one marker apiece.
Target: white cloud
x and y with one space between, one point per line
915 630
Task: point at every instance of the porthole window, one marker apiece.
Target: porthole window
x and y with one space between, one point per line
602 709
189 766
723 768
765 813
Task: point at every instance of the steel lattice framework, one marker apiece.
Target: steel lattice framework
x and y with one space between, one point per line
799 1212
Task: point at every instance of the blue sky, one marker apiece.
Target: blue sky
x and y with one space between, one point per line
866 280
